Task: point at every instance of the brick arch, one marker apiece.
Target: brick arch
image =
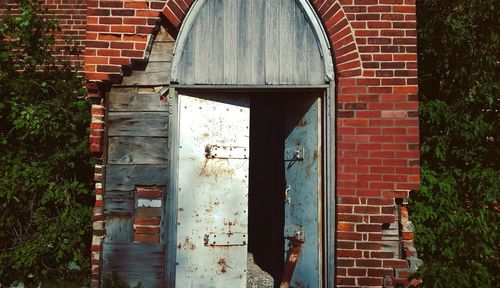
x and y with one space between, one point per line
341 36
335 22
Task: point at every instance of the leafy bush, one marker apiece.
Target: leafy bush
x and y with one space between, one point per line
456 212
45 171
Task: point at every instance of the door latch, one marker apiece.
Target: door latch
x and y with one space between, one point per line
287 199
296 154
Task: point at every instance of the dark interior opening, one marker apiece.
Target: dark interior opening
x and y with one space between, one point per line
267 184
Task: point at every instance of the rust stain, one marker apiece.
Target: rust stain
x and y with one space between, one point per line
216 167
302 122
224 266
187 244
315 155
203 171
293 254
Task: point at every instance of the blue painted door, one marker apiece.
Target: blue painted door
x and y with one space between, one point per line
303 191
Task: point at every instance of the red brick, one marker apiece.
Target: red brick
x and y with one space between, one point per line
370 281
150 192
368 263
146 238
147 230
147 221
395 264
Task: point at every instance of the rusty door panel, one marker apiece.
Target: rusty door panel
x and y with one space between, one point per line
303 187
213 191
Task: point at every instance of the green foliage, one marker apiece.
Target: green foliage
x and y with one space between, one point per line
45 171
456 211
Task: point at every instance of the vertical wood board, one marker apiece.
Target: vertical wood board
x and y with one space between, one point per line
252 42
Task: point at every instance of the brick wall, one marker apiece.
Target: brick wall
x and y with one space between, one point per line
374 49
72 21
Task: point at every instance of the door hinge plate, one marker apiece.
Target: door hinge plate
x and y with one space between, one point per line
225 239
226 152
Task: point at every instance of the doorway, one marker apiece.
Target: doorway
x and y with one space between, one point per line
250 180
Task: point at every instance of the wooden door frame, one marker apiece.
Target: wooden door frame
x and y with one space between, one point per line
169 213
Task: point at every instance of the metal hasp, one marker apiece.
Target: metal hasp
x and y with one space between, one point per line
303 174
226 152
227 239
212 207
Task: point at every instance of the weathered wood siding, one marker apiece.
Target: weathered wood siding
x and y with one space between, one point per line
134 263
137 135
250 42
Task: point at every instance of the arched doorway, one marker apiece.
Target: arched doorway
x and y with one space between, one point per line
251 161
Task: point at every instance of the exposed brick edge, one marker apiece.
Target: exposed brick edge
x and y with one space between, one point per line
409 252
95 95
340 34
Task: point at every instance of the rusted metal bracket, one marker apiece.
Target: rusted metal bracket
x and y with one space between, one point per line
294 249
225 239
226 152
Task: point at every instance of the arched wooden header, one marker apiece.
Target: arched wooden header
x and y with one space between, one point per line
252 42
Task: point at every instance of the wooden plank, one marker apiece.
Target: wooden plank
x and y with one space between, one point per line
286 35
119 229
147 279
163 36
152 124
301 28
130 99
216 44
119 202
231 26
156 73
187 65
137 257
200 37
315 68
257 42
126 177
162 51
244 52
137 150
272 39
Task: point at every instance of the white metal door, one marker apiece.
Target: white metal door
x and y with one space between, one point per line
213 191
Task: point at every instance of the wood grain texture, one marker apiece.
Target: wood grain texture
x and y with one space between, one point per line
119 202
137 150
136 257
156 73
126 177
150 124
147 279
229 45
119 229
130 99
251 42
162 51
